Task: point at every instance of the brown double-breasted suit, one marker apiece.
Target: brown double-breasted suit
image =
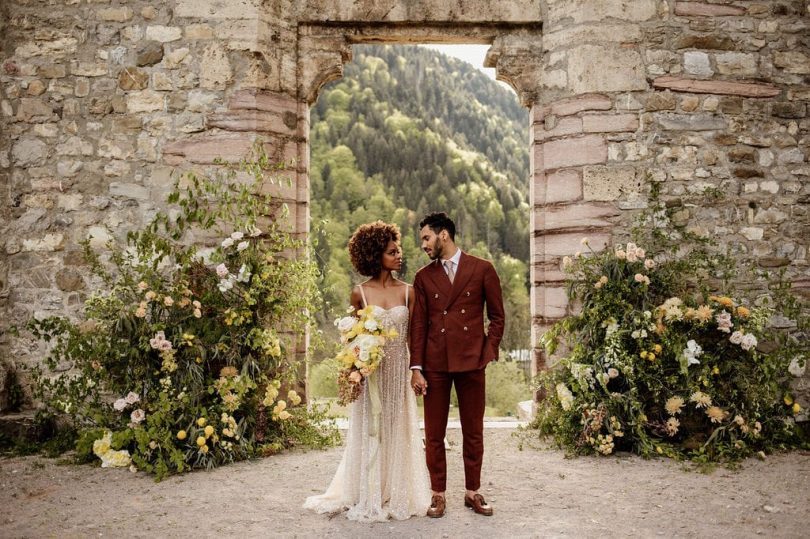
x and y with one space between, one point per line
449 342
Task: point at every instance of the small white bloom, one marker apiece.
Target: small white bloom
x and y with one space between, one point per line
227 242
613 373
236 236
137 416
226 284
345 324
222 271
132 397
370 325
736 337
584 241
649 263
748 341
692 351
242 246
244 274
120 404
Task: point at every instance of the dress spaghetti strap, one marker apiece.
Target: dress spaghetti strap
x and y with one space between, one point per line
406 294
363 296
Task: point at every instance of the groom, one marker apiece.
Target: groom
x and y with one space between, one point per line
449 346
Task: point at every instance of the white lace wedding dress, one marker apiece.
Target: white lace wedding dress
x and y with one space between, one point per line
382 473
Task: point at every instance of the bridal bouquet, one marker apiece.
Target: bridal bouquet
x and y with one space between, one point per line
362 336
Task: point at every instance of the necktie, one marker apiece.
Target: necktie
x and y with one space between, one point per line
448 266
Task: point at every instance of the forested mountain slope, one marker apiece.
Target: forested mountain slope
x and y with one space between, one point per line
406 131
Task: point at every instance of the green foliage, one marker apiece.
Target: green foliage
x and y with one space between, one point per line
407 131
194 357
657 364
506 387
322 380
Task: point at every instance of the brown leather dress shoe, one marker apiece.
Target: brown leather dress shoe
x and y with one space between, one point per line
477 504
437 506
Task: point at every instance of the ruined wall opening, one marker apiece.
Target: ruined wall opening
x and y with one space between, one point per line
407 130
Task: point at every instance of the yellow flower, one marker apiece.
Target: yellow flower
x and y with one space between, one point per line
201 441
743 312
658 349
651 356
716 414
284 415
796 408
674 405
181 435
294 397
643 354
228 371
704 313
201 422
204 448
715 370
725 301
209 430
788 399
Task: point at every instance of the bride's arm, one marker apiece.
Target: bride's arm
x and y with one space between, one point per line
356 299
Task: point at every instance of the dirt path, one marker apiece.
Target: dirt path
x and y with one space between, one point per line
536 493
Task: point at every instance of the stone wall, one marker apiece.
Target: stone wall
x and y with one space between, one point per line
101 100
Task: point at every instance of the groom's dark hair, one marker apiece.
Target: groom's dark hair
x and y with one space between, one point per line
439 221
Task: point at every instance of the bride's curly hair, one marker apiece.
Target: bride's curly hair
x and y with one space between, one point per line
368 244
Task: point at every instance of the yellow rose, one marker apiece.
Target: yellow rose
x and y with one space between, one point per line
788 399
181 435
294 397
201 422
284 415
796 408
204 448
201 441
651 356
715 370
209 430
658 348
643 354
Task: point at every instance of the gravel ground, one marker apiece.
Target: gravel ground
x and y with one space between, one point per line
536 492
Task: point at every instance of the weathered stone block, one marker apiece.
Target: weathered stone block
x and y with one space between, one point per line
700 9
690 122
792 61
129 190
603 183
250 120
216 9
560 186
745 89
609 123
33 110
149 53
69 280
565 244
736 63
593 68
564 127
691 41
551 302
27 152
114 14
574 217
145 101
206 149
697 63
579 11
163 34
587 150
215 68
132 78
47 243
793 110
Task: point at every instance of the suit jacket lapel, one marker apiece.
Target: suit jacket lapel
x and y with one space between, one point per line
463 275
439 278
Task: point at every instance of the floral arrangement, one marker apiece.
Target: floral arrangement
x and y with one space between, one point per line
362 337
656 365
185 359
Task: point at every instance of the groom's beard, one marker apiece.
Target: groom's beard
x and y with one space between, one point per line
435 251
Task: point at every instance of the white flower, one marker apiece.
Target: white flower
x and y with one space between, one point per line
242 246
226 284
566 261
120 404
692 352
565 396
748 341
345 324
584 241
736 337
227 242
254 231
222 271
631 256
236 236
137 416
370 325
132 397
649 263
613 373
724 323
641 253
672 426
620 254
244 274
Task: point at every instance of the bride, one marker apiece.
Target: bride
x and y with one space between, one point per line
382 473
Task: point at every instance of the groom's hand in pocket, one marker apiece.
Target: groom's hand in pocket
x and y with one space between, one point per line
418 382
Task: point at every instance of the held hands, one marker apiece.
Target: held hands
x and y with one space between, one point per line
418 382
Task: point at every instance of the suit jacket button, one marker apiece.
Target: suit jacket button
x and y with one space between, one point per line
465 328
468 293
444 312
463 311
437 295
442 330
